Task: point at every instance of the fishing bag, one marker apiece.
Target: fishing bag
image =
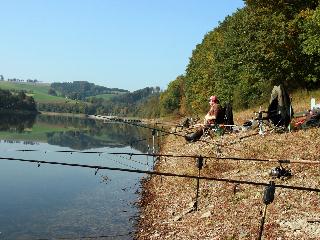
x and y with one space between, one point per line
228 115
225 115
280 110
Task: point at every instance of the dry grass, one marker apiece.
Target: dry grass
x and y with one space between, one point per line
231 211
301 99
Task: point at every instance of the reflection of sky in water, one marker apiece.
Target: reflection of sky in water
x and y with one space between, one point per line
60 201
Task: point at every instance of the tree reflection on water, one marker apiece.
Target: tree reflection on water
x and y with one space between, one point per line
16 122
78 133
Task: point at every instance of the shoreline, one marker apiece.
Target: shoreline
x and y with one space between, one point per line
79 115
228 210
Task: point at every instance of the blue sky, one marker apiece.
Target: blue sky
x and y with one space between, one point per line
129 44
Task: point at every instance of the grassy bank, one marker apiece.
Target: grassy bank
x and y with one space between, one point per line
232 210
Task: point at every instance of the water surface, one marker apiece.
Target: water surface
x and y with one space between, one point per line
52 201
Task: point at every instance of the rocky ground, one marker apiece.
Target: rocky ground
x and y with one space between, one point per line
230 210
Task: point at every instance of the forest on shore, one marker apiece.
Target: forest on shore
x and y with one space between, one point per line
261 45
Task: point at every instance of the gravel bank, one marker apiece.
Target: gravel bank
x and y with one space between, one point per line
228 210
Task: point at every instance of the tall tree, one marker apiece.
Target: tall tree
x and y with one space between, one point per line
171 100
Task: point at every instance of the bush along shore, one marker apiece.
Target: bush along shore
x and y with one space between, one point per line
233 207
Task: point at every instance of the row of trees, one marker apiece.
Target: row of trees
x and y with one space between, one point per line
80 90
67 107
140 103
18 80
261 45
16 101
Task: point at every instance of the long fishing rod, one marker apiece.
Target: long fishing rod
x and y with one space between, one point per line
153 128
168 174
287 161
176 134
94 152
164 131
218 158
180 135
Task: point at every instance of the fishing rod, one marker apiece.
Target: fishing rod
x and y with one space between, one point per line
136 154
164 131
218 158
168 174
153 128
176 134
286 161
180 135
87 152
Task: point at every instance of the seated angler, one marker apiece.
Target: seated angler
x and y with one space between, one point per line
212 115
210 119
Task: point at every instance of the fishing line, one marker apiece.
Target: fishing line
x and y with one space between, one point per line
123 164
130 159
161 130
168 174
287 161
133 160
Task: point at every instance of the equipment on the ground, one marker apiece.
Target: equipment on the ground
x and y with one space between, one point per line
280 111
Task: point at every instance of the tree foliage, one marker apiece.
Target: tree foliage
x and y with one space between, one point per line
263 44
171 101
16 101
311 36
80 90
140 103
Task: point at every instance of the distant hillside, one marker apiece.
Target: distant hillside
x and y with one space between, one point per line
142 103
80 90
45 93
39 91
83 97
136 96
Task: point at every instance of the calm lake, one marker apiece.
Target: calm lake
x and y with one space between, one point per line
63 202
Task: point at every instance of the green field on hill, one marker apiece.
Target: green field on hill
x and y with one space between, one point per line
39 91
